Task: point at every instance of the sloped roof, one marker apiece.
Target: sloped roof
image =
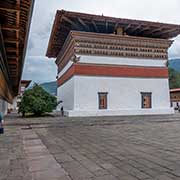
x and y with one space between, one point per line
65 21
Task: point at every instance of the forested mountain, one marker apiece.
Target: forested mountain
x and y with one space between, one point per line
174 73
50 87
175 64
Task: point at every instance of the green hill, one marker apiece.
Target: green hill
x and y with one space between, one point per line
174 73
175 64
50 87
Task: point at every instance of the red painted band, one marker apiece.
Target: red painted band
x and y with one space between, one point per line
112 71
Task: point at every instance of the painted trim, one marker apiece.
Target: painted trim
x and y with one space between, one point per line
112 71
122 61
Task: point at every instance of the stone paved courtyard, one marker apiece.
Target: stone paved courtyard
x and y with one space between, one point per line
110 148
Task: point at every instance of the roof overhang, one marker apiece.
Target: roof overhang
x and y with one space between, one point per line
25 83
15 20
66 21
175 90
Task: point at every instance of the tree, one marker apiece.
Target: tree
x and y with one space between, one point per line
174 78
37 101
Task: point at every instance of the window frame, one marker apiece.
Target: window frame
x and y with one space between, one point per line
106 95
143 94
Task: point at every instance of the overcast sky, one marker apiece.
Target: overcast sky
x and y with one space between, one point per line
41 69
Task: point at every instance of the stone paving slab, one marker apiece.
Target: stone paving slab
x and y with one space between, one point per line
99 148
45 167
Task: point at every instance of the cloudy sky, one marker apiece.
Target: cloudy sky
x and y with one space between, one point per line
41 69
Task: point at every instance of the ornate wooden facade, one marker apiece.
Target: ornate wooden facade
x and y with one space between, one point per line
111 45
15 19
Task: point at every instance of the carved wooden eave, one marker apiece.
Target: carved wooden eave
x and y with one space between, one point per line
15 19
84 43
66 21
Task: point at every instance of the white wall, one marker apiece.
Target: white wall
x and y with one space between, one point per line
124 95
122 61
66 94
14 105
80 93
122 92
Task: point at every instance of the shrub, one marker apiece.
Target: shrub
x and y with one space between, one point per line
37 101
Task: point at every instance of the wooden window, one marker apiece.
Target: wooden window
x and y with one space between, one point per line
102 100
146 99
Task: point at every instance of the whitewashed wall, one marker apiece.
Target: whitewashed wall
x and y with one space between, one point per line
124 96
122 92
80 93
66 94
13 106
122 61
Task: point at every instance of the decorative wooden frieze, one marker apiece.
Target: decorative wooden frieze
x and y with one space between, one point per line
123 48
112 45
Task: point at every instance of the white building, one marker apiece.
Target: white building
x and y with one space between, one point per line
175 98
110 66
17 100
